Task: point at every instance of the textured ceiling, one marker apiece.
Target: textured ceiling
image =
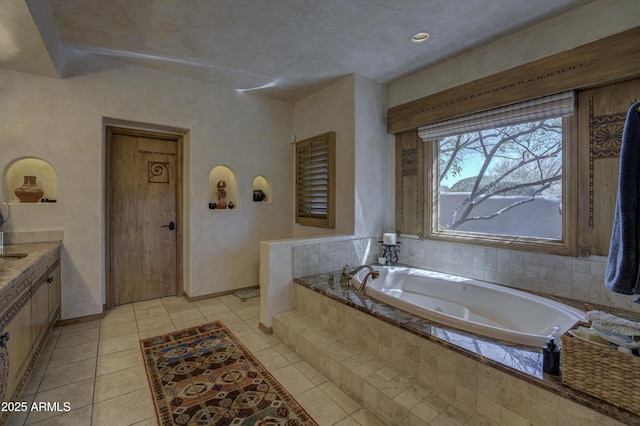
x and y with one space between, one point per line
282 48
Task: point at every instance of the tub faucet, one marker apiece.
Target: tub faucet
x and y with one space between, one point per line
345 278
361 285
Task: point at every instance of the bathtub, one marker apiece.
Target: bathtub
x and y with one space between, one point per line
478 307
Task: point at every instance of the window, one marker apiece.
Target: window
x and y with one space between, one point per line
315 181
499 175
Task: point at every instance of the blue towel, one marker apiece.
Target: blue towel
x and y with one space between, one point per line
624 251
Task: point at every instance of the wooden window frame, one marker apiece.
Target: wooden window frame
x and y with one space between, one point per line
327 160
565 246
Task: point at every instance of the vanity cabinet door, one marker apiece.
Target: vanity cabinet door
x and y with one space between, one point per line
40 310
18 347
55 293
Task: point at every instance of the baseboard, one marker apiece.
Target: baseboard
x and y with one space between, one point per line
78 320
213 295
265 329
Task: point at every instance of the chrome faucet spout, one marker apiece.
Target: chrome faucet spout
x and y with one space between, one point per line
361 285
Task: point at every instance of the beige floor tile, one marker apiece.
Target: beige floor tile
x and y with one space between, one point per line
365 418
167 328
19 417
81 326
77 395
208 302
126 409
288 353
117 330
79 417
336 394
213 309
176 304
120 343
248 312
152 312
120 382
117 361
189 324
292 379
112 388
67 374
349 421
321 407
311 373
226 317
154 322
112 318
187 315
271 359
147 304
151 421
241 328
254 342
73 354
79 338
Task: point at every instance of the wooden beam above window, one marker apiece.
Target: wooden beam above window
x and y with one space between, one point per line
614 58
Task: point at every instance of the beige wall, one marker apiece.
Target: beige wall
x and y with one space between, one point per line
331 109
374 168
61 121
355 108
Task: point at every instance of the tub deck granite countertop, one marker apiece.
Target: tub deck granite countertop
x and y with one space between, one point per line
13 269
520 361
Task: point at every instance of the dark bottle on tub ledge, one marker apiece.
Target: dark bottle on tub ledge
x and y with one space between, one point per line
551 358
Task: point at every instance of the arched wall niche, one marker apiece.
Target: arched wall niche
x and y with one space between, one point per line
223 174
260 183
46 178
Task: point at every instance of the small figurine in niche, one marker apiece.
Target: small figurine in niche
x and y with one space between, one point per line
222 194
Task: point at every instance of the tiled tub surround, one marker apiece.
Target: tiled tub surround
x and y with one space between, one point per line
563 276
411 371
282 260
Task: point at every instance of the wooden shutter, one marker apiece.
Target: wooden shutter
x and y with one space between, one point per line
315 181
410 183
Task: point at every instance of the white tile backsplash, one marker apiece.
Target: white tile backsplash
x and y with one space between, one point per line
575 278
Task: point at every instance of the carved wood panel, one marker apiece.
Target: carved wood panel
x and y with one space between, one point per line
601 116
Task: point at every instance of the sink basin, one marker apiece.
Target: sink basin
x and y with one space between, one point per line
13 255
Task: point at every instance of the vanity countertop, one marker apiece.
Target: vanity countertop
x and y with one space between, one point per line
12 269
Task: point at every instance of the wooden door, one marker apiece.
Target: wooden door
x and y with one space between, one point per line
601 116
143 175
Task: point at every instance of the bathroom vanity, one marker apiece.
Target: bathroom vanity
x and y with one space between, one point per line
29 307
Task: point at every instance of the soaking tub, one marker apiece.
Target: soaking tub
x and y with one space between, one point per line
478 307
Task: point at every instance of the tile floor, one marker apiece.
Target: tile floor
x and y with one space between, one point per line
97 366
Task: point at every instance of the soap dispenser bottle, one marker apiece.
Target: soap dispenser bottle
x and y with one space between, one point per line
551 357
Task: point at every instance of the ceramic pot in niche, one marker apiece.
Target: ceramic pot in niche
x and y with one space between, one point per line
29 191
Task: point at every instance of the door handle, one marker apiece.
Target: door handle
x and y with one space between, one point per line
171 226
4 339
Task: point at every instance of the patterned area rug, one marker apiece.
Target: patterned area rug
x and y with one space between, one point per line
205 376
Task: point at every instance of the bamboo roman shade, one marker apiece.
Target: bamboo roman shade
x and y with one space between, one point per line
556 105
315 186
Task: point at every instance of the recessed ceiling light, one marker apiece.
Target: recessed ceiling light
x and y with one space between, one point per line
420 37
